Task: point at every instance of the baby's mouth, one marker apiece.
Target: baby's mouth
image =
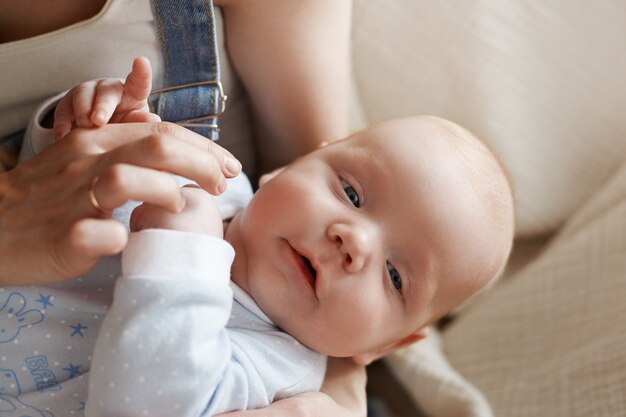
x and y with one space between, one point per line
309 271
309 266
305 267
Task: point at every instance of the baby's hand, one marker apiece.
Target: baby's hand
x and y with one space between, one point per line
97 102
200 215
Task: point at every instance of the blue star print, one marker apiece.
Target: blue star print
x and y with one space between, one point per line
74 370
45 301
79 329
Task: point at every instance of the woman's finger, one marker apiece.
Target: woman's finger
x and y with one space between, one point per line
231 167
123 182
86 241
140 116
161 146
112 136
209 168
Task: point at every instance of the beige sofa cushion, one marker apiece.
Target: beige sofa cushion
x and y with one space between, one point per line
541 82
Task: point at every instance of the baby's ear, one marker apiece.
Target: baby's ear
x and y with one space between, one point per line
369 357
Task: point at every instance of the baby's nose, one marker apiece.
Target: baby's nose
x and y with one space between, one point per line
355 244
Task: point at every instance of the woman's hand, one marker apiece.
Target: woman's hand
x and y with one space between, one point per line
51 229
342 395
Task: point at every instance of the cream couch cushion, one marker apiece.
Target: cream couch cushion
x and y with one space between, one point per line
541 82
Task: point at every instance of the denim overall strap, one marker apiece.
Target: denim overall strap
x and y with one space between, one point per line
192 94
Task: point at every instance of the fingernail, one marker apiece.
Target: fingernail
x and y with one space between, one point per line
232 165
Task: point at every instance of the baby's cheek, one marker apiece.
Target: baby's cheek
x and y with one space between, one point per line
361 314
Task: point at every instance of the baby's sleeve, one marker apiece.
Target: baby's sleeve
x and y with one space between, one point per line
37 137
163 347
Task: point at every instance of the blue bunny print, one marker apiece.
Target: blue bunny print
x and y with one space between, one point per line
14 316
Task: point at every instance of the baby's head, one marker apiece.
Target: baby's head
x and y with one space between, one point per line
356 248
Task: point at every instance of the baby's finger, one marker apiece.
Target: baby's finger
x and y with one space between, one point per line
108 96
63 117
138 83
82 102
143 216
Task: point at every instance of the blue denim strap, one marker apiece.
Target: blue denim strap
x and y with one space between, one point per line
192 93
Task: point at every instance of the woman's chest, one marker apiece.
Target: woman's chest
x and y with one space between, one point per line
27 18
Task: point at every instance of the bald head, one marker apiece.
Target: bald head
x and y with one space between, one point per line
470 201
486 177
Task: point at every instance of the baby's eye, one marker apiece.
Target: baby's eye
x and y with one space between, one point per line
394 276
353 196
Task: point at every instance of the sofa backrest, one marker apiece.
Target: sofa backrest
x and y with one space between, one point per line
543 83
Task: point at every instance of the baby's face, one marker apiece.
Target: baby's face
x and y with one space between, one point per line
364 242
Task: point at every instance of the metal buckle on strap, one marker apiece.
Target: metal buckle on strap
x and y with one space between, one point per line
194 122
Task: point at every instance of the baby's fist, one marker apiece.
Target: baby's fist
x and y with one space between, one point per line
199 215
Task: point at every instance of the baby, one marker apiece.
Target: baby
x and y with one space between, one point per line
353 250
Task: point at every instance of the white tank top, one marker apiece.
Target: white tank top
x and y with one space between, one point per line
36 68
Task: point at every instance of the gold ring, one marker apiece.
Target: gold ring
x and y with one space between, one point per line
92 196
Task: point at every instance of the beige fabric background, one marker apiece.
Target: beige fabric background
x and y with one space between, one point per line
543 84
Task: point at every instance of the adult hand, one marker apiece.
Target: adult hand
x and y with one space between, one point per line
51 230
342 395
